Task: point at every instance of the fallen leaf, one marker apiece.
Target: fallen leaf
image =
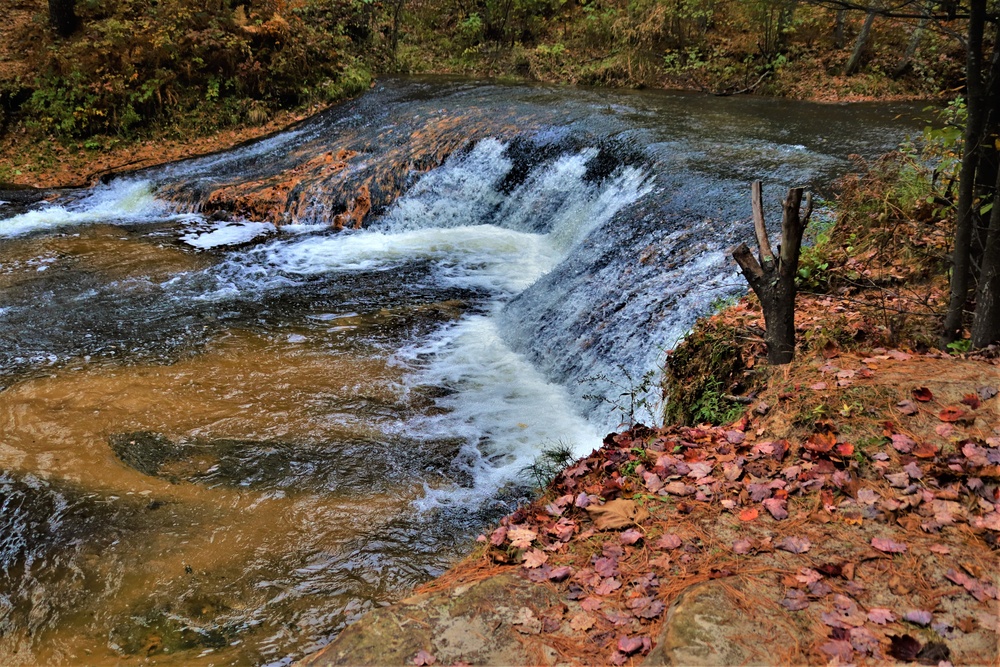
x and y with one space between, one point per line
986 393
607 586
521 538
795 545
922 394
795 600
918 617
902 443
560 573
630 645
742 547
819 386
646 607
880 616
679 489
907 407
617 514
749 514
534 558
499 536
630 536
820 442
926 450
951 414
904 648
939 549
581 622
423 658
606 567
590 603
776 507
888 546
972 400
668 542
838 648
525 622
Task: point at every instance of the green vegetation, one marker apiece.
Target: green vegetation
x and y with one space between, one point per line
130 68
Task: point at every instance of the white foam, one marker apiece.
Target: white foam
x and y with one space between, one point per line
230 233
119 201
485 256
504 409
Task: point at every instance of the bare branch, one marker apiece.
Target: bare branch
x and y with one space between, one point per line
760 229
748 264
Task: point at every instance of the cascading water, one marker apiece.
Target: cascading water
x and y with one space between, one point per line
228 430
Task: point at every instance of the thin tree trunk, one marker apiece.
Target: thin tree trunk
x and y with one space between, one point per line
961 257
854 63
839 38
773 278
986 323
911 49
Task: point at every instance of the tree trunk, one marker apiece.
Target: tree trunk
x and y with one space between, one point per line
961 257
839 38
62 17
397 11
911 49
854 63
986 323
773 278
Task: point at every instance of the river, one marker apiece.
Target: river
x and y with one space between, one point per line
227 430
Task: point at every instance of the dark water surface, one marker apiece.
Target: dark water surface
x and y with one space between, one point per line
220 441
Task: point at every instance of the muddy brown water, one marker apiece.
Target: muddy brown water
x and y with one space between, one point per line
220 441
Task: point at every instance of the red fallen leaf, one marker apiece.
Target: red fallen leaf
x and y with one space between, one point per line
819 386
590 603
845 449
618 658
668 542
423 658
904 648
742 547
880 616
972 400
926 450
560 573
795 545
951 414
886 545
776 507
939 549
749 514
630 536
922 394
907 407
820 442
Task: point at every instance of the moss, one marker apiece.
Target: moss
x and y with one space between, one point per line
706 368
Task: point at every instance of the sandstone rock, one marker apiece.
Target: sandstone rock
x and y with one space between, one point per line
705 626
473 623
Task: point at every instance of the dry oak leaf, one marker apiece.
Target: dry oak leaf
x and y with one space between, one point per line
617 514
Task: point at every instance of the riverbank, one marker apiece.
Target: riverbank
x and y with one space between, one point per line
844 509
66 118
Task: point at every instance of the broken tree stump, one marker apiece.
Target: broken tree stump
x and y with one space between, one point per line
772 278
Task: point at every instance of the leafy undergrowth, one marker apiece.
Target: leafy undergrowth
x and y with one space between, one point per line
851 506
